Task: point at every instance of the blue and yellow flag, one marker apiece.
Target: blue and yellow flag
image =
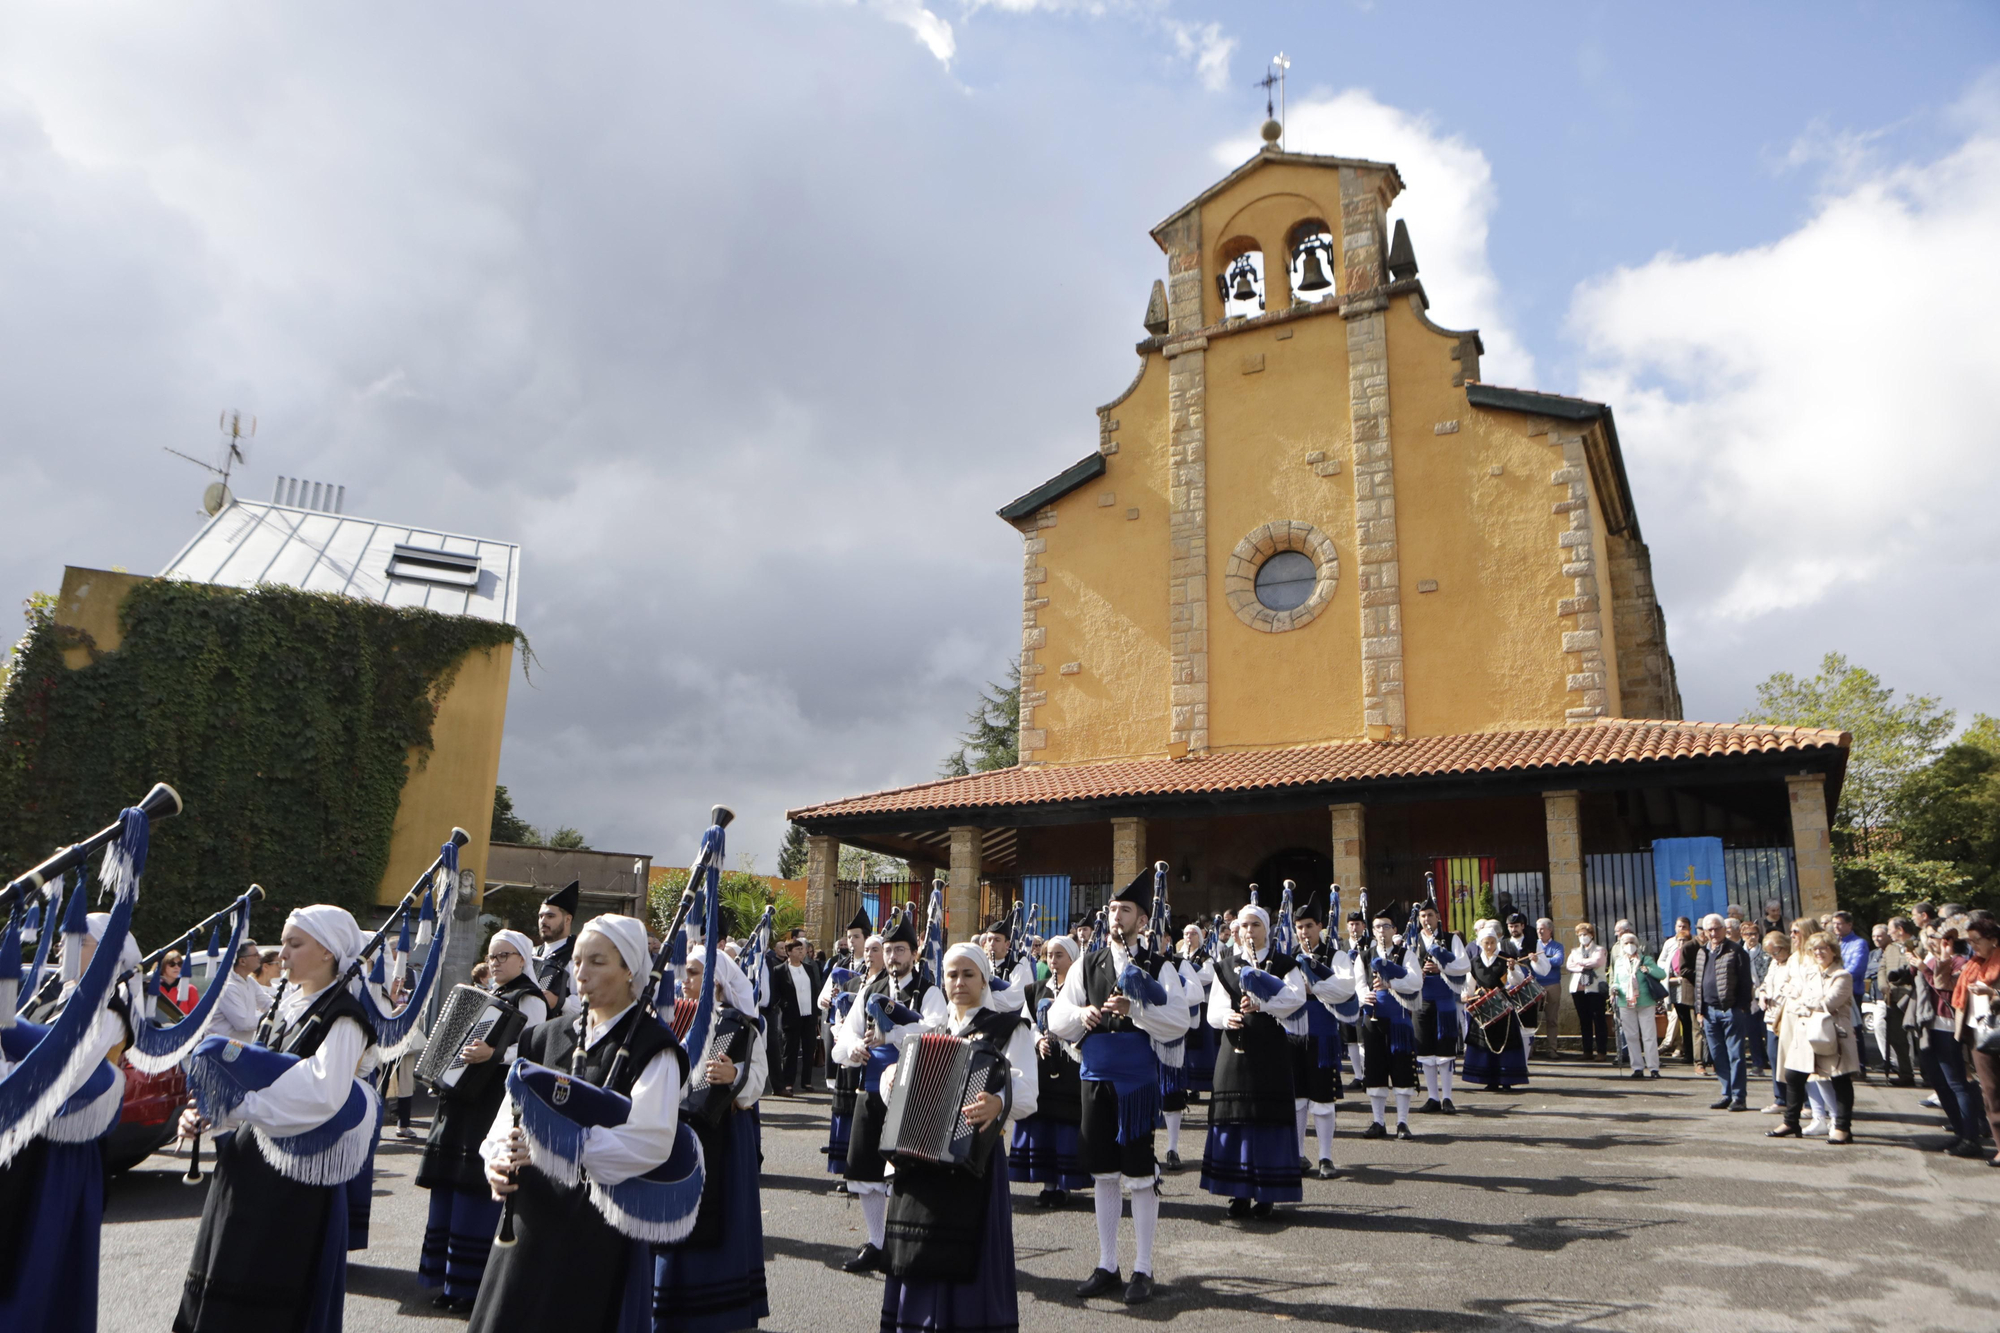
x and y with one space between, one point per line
1689 878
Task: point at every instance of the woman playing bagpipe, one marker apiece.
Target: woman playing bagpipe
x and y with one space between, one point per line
950 1251
272 1249
1046 1147
714 1280
837 998
464 1213
1196 959
61 1093
1252 1154
598 1100
1496 1057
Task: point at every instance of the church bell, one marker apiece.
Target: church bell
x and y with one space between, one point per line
1312 273
1244 291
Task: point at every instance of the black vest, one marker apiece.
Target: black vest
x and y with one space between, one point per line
304 1035
553 971
1100 983
557 1044
1253 1065
1059 1090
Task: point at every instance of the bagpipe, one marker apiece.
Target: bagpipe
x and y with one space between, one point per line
50 1066
556 1110
157 1048
711 1103
222 1071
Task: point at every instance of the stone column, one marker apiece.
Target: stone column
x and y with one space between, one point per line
1128 851
1350 852
961 892
1811 847
822 869
1565 834
1187 490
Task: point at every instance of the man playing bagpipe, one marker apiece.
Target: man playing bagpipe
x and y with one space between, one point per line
900 997
836 999
1315 1031
845 972
459 1233
1046 1145
1440 1026
272 1248
596 1167
1197 968
1390 983
552 959
1252 1155
714 1280
1116 1006
950 1254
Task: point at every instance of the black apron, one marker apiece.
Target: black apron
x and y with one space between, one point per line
1253 1064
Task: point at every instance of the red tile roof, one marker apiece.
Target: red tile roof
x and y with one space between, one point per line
1609 741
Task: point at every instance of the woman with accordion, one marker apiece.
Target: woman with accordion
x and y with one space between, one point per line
464 1213
599 1098
272 1249
714 1280
949 1254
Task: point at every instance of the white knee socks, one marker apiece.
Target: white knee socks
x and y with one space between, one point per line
1301 1109
1444 1077
1323 1131
1145 1217
875 1209
1378 1099
1429 1062
1173 1131
1403 1105
1109 1205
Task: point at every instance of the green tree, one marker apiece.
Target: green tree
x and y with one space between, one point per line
566 838
1891 740
992 738
744 898
508 826
859 863
792 853
1949 814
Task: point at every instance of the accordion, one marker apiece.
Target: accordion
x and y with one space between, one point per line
924 1120
469 1014
728 1035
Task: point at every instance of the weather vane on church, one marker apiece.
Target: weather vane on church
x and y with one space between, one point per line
1274 79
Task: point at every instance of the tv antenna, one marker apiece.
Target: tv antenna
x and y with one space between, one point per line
217 497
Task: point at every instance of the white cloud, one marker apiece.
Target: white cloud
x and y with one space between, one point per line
928 28
1448 202
1207 47
1808 422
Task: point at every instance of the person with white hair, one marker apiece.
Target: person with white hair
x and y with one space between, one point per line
1638 985
569 1266
1046 1144
458 1235
271 1251
1723 989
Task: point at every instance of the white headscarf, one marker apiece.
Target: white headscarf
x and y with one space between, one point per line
734 987
1067 945
977 955
628 936
334 929
1253 910
99 922
518 942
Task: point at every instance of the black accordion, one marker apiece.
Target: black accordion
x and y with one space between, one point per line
924 1121
729 1034
470 1014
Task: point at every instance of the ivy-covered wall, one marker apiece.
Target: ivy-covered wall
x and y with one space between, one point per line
284 719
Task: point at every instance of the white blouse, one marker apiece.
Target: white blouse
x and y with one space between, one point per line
850 1044
312 1091
613 1154
1281 1006
1161 1022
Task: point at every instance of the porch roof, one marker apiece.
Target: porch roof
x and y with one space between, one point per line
1424 767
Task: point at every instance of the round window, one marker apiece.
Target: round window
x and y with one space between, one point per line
1286 580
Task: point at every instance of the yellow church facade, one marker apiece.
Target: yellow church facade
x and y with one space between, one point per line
1321 604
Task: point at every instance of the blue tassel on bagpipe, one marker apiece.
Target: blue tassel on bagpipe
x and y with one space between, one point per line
394 1032
557 1113
887 1014
35 1089
92 1109
156 1049
1259 983
710 890
1134 981
223 1072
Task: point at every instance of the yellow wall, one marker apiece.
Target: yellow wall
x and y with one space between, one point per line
452 785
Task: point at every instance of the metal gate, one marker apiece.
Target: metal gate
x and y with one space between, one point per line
1620 885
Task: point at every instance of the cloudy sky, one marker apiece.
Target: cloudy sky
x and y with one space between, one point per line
744 317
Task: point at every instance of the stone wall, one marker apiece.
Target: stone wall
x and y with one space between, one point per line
1647 685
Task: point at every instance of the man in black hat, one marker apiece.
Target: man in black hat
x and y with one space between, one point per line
552 958
1114 1006
899 997
1315 1031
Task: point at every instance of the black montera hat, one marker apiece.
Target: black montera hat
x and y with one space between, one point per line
1312 909
1139 892
565 899
904 933
861 922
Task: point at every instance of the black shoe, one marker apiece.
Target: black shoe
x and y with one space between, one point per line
1327 1170
1652 1073
1430 1104
1783 1132
1173 1161
1375 1131
1140 1289
1048 1198
1403 1130
1447 1107
1719 1105
1358 1085
1491 1087
1739 1106
1305 1164
1100 1281
1239 1208
1965 1148
462 1306
869 1260
1638 1073
1261 1210
441 1301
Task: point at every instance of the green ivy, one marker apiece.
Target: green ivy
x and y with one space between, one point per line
284 719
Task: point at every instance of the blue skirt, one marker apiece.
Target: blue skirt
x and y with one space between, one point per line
1255 1162
838 1133
1046 1150
986 1304
1509 1068
457 1240
50 1281
722 1286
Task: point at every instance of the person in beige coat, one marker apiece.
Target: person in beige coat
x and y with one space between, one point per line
1817 1037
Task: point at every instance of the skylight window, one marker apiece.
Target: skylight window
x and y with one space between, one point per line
423 565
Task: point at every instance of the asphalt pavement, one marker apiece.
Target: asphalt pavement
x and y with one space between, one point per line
1586 1201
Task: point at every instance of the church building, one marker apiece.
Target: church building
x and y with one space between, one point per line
1322 604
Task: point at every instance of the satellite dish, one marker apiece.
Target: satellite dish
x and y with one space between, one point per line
216 499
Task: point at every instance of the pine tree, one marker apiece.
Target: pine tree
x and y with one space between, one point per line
508 826
993 737
792 853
